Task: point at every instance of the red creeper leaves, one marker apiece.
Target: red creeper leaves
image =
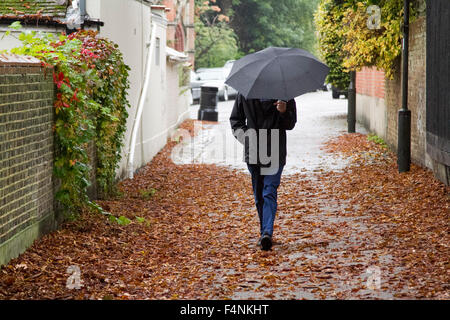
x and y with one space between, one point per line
60 79
74 97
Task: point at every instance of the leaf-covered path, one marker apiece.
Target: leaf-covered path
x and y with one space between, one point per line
363 232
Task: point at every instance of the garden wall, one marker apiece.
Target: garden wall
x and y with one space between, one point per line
417 95
370 101
379 100
26 154
164 108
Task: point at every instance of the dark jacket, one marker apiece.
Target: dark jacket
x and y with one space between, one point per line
256 114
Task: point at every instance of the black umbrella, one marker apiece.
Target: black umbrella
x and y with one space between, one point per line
277 73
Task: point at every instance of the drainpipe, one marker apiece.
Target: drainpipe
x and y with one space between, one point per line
144 91
83 8
404 115
351 108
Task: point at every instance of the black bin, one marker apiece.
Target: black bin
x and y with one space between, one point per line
208 104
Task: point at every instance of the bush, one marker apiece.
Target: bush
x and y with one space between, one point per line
347 43
328 21
91 81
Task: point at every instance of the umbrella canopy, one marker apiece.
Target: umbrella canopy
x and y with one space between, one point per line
277 73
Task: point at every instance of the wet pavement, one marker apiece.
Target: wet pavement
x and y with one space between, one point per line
319 118
335 234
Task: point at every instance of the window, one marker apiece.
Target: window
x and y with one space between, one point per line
179 39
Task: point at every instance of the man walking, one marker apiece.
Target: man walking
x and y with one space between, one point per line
260 125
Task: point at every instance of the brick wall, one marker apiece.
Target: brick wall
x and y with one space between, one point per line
417 88
26 155
393 100
416 94
371 106
370 83
186 23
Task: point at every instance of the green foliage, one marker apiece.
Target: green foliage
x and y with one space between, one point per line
263 23
123 221
361 46
111 117
184 75
328 19
33 7
376 139
140 220
90 105
15 26
230 29
215 45
215 41
147 194
366 47
143 221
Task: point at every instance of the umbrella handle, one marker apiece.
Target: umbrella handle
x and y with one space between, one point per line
285 103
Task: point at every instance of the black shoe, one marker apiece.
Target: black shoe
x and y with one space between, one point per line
266 242
259 241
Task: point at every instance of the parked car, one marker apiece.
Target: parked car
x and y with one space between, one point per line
229 64
336 92
211 77
325 87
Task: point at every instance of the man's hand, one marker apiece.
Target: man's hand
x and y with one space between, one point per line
281 106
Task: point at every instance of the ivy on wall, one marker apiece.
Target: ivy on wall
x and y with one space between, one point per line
91 82
378 47
111 95
360 45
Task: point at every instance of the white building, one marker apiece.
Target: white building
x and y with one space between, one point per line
130 24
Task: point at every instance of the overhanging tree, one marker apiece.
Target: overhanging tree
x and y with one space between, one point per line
263 23
329 18
215 41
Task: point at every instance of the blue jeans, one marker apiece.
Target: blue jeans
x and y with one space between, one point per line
265 193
